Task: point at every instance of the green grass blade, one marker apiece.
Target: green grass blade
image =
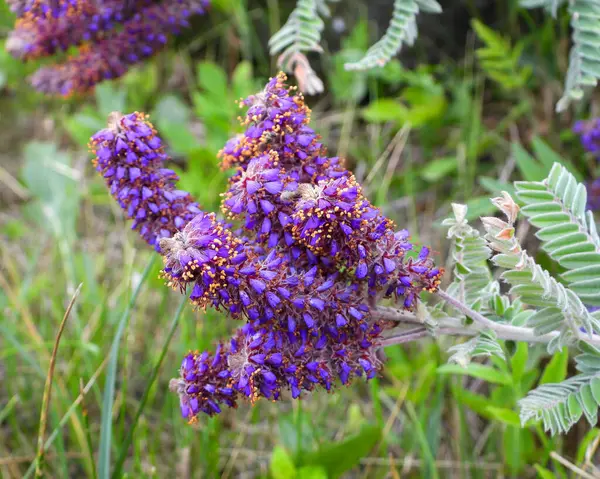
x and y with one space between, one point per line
426 452
72 408
111 376
128 440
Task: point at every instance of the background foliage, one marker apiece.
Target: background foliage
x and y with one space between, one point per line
469 108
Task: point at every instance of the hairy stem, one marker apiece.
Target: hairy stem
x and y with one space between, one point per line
405 337
481 323
386 313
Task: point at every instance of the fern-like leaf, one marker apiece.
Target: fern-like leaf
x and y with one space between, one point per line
551 6
560 308
561 405
302 30
472 277
401 30
584 59
499 60
485 344
567 231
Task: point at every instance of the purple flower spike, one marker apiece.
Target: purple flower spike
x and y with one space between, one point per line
277 122
204 384
131 159
263 362
204 259
292 196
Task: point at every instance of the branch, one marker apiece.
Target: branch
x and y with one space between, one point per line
386 313
481 323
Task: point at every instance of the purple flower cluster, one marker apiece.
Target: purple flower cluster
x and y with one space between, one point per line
264 362
130 157
304 328
105 51
289 193
222 272
312 256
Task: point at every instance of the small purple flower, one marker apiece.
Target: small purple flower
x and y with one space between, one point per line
589 132
130 158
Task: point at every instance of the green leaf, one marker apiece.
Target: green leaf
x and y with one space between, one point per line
519 361
281 465
544 473
507 416
48 174
108 397
179 138
584 444
339 458
475 370
242 80
512 442
110 99
439 168
311 472
296 433
124 446
548 157
213 79
496 187
171 109
402 30
528 166
556 370
384 110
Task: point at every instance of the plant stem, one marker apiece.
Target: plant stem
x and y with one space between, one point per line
48 388
386 313
463 308
405 337
481 323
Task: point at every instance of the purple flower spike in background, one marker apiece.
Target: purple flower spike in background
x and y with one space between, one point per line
113 35
42 31
142 36
589 131
131 159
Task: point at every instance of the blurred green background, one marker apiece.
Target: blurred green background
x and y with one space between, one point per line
453 121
